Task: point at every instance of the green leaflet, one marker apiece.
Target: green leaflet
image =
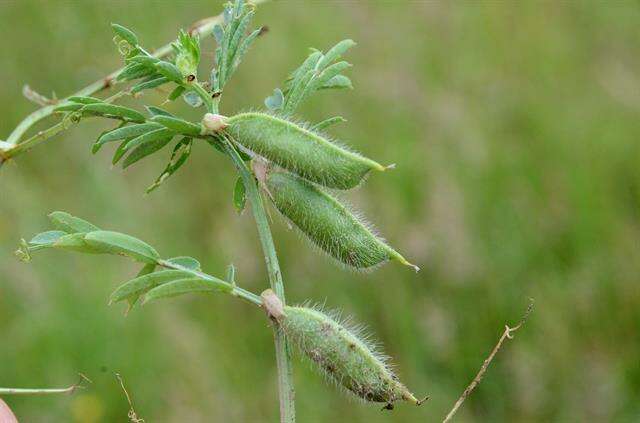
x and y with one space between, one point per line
47 238
300 150
149 137
179 156
239 195
130 131
177 92
147 146
184 286
328 122
275 101
143 283
70 224
76 242
125 33
119 243
338 81
84 100
170 71
147 85
327 223
335 53
186 262
179 125
155 111
132 300
134 71
114 110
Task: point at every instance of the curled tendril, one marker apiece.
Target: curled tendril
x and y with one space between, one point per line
124 48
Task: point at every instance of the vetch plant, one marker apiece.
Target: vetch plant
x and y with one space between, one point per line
279 160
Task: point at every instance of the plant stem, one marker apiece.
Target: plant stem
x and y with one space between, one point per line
46 391
235 290
283 352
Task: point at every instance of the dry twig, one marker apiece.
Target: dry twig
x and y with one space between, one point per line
133 417
507 334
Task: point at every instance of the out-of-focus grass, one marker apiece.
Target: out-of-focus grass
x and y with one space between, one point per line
515 130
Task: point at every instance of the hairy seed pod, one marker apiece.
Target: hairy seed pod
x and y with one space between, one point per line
328 223
300 150
343 356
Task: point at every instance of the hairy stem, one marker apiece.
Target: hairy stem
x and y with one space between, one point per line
283 351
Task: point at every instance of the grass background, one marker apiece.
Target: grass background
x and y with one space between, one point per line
515 129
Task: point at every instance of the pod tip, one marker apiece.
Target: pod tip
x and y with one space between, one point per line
390 167
404 261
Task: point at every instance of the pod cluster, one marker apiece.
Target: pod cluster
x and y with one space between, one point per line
309 163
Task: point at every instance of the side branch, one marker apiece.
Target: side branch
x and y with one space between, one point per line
46 391
507 334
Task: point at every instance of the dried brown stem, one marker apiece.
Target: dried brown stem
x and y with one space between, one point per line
507 334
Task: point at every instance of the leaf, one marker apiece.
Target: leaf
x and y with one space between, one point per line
47 238
179 156
309 64
335 53
120 151
338 81
114 110
187 262
170 71
155 111
147 85
145 150
125 33
329 73
239 196
238 34
218 33
70 224
139 285
144 59
84 99
177 92
244 47
132 300
76 242
130 131
328 122
119 243
134 71
68 107
192 99
298 91
275 101
178 125
182 286
159 133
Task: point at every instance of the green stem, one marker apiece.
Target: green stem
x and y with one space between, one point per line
234 290
283 352
20 391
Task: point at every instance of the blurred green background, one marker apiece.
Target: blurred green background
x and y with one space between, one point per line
515 129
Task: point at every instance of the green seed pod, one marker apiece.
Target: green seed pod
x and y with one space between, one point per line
344 356
328 223
300 150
